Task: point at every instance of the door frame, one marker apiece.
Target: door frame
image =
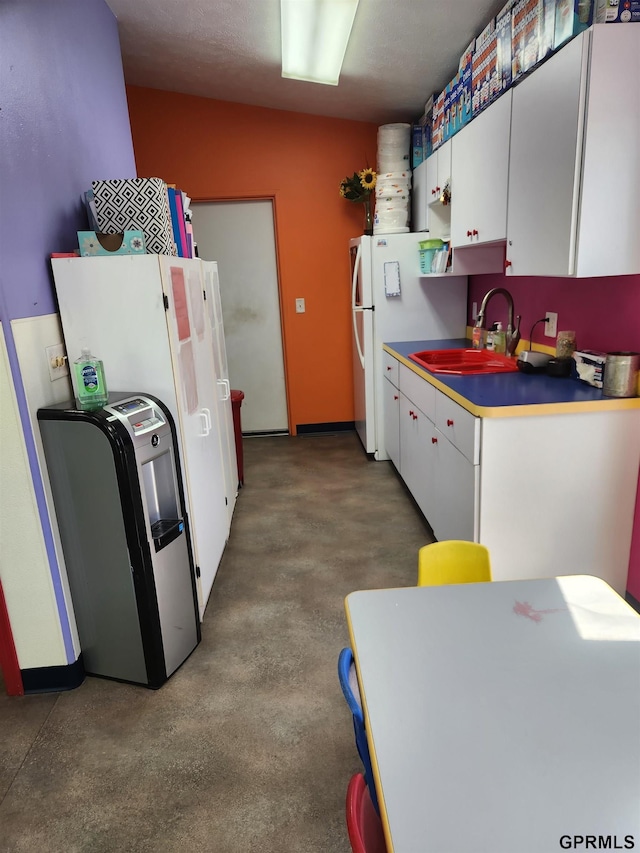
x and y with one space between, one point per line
272 197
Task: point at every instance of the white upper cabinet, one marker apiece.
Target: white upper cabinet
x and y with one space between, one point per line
574 170
480 172
429 179
419 201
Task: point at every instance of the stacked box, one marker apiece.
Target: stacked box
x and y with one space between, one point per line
133 204
503 46
526 35
617 12
572 16
547 28
449 110
486 34
425 127
463 96
484 75
437 126
416 145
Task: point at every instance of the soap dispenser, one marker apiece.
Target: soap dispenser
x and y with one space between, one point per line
491 340
499 339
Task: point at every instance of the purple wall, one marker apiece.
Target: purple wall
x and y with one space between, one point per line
603 312
64 123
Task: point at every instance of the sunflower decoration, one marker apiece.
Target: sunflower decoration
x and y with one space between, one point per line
359 187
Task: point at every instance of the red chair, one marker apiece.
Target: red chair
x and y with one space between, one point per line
363 822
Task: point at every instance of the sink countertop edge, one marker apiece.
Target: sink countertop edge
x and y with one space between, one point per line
569 395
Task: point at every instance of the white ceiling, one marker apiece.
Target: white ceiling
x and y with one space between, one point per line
400 52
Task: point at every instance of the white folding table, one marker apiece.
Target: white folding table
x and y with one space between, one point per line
501 717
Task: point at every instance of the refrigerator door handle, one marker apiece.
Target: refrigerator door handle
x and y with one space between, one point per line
354 307
354 282
207 413
206 424
227 388
355 334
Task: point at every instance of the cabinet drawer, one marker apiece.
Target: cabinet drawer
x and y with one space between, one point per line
418 390
459 426
390 367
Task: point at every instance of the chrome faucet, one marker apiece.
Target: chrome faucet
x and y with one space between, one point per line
512 336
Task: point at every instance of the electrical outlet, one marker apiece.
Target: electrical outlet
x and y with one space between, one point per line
551 325
300 307
56 362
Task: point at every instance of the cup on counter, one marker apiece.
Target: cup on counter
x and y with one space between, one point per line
621 374
565 344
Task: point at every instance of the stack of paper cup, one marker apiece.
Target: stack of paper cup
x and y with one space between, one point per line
394 146
393 187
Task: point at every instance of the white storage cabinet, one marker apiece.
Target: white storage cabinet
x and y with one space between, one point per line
146 318
548 494
479 177
574 200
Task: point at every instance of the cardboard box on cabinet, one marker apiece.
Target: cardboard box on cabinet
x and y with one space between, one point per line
484 75
617 12
131 204
437 127
449 110
571 17
526 36
503 46
416 145
463 96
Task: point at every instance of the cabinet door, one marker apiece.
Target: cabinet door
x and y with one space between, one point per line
453 513
391 404
545 164
224 413
191 346
479 176
415 459
432 176
419 200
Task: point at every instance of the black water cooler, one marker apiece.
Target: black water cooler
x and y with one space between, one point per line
119 503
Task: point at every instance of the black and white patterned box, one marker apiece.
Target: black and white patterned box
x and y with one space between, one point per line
136 204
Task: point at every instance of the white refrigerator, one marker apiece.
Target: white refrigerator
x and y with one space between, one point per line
155 321
392 301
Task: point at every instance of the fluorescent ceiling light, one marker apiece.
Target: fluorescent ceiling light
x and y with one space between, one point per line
315 34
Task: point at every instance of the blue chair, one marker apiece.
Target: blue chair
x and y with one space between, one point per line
349 685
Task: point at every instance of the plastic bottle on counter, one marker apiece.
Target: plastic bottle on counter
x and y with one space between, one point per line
499 339
91 387
477 337
490 342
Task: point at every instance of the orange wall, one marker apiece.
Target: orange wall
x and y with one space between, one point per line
215 150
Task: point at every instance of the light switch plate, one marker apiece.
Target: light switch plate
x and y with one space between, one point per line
300 306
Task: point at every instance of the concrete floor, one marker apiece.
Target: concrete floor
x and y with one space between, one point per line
249 746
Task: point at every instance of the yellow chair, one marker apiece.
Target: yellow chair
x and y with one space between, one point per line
453 561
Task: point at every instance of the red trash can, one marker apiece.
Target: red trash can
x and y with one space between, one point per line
236 402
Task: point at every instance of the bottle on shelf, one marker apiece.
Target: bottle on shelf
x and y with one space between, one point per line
90 385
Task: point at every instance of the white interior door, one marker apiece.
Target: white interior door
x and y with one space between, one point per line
240 236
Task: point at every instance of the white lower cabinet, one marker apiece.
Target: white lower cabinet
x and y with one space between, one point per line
392 421
548 494
439 466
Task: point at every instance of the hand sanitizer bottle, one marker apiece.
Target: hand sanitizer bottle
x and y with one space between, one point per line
91 388
499 339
